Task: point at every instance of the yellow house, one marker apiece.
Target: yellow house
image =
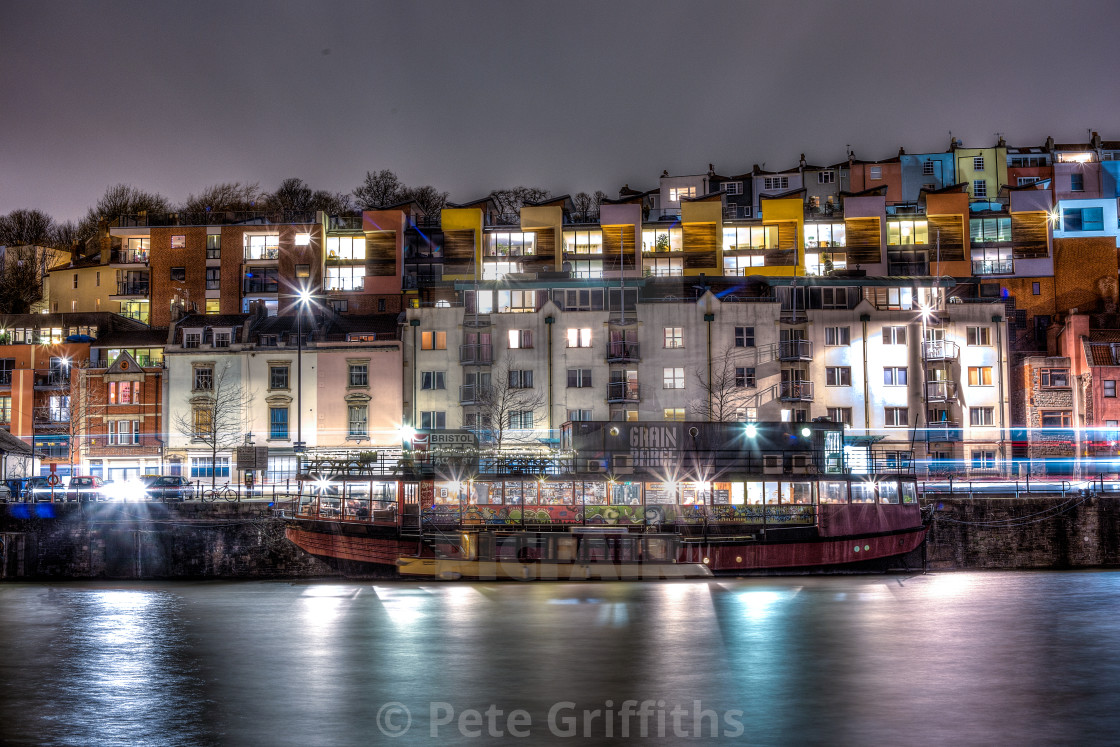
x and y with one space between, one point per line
462 241
984 170
83 285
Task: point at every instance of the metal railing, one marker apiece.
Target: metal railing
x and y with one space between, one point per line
478 354
941 391
132 288
344 223
939 350
993 267
470 394
623 352
943 432
215 217
623 391
795 391
795 350
260 286
126 257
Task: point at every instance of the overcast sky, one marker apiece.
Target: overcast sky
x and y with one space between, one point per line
570 96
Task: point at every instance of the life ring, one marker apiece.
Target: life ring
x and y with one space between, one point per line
54 480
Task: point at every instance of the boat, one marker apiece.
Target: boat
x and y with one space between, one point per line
615 500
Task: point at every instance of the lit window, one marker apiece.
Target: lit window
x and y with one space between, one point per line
303 239
979 375
674 414
674 337
433 341
579 338
674 378
345 278
261 246
515 244
583 242
676 194
521 339
178 242
343 248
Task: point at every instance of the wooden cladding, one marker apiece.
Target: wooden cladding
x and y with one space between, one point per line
1028 236
615 239
864 241
946 238
545 258
458 246
381 253
700 243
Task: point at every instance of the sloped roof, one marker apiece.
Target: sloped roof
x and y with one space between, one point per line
1100 354
9 444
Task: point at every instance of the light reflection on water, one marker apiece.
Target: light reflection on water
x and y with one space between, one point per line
974 658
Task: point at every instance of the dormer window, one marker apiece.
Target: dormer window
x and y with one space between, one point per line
192 338
222 338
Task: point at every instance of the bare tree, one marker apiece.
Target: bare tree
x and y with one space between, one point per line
23 273
430 200
228 196
380 188
118 200
510 201
217 414
292 196
26 228
507 410
86 401
332 203
728 389
581 207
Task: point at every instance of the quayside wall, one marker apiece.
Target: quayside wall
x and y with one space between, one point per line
245 540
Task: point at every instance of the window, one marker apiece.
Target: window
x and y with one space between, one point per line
983 459
203 423
1023 181
981 416
277 377
979 188
733 188
97 280
523 419
989 230
213 246
745 378
1110 387
673 378
213 278
345 278
303 239
192 339
826 177
674 414
1083 219
896 417
840 415
221 339
979 375
756 238
346 247
894 335
579 378
521 338
523 379
209 467
834 298
178 242
1076 182
278 422
837 335
381 304
578 415
838 376
979 335
433 380
213 306
1049 378
978 163
75 280
433 419
178 274
124 393
1036 289
676 194
927 168
775 182
359 374
1057 418
505 244
664 267
203 379
674 337
433 341
303 272
744 337
894 376
876 173
516 301
5 408
579 338
583 242
357 421
907 232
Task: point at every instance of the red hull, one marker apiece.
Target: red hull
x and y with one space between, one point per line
817 553
352 549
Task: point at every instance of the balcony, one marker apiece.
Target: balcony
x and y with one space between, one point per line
993 267
471 319
941 391
623 352
940 350
622 391
5 378
795 350
943 432
126 257
793 316
476 354
909 269
52 380
255 285
132 288
344 223
473 394
52 417
795 391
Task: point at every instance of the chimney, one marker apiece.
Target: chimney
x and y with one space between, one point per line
1095 140
802 161
1049 143
902 151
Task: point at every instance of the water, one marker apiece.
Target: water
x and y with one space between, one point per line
972 658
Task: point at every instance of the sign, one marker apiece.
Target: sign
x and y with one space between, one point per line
252 458
431 439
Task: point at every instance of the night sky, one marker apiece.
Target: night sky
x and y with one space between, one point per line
570 96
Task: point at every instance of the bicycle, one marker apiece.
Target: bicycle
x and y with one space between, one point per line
222 491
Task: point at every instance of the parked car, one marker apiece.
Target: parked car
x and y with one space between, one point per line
38 489
168 488
85 488
5 493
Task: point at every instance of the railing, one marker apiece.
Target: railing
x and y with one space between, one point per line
344 223
472 319
795 350
622 391
907 268
260 286
5 378
125 257
215 217
470 394
941 391
993 267
126 288
939 350
735 212
357 284
478 354
623 352
942 432
795 391
664 214
52 379
792 316
262 255
58 416
416 281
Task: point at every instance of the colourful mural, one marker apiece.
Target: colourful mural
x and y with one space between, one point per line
448 515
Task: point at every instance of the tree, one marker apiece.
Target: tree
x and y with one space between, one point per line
118 200
501 406
292 196
216 416
332 203
380 188
726 392
510 201
26 228
430 200
225 197
585 207
65 235
86 401
22 274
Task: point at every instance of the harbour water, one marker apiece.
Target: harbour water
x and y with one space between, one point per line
968 658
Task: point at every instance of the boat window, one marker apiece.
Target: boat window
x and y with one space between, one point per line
594 493
661 493
888 491
863 492
738 494
448 492
626 493
483 493
909 492
556 493
800 493
771 492
754 493
696 493
721 493
834 492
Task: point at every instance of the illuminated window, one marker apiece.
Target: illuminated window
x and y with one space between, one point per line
741 238
676 194
303 239
345 248
979 375
583 242
823 235
498 270
664 267
178 242
520 339
674 414
742 264
656 240
345 278
674 337
673 378
906 232
513 244
213 246
579 338
433 341
261 246
203 423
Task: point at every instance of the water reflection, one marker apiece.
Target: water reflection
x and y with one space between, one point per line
977 658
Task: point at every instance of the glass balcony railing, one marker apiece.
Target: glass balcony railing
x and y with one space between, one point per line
623 391
795 391
993 267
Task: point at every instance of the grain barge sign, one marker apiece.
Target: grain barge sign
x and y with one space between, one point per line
438 440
